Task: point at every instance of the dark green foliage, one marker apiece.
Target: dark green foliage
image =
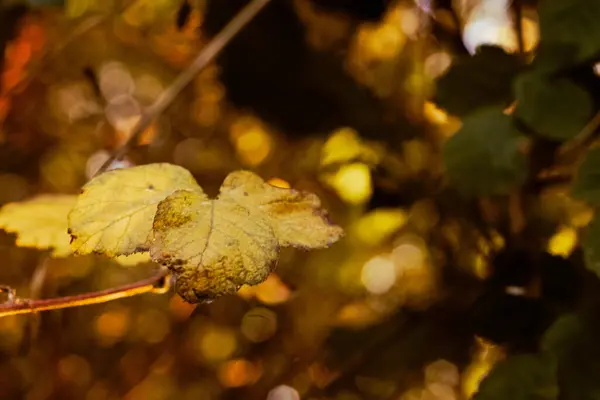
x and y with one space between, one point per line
477 81
521 377
484 157
571 24
586 185
554 108
573 342
565 368
591 246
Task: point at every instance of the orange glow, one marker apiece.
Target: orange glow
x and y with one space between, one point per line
279 183
321 375
237 373
113 324
272 291
4 107
75 369
148 135
356 314
180 309
19 53
11 78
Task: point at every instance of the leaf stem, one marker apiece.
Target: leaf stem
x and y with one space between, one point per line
206 55
582 138
158 283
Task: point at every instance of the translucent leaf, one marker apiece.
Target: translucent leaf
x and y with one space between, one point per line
484 157
558 337
40 222
481 80
216 246
114 213
557 109
586 184
573 341
521 377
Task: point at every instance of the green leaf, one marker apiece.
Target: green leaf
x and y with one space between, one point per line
551 58
558 339
586 185
571 23
522 377
554 108
591 246
573 341
477 81
484 157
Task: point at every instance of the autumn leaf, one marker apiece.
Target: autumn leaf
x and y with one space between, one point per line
40 222
114 213
215 246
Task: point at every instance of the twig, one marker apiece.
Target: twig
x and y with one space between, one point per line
159 283
208 53
582 137
37 280
518 14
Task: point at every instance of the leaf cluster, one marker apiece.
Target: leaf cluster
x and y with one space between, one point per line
503 100
212 246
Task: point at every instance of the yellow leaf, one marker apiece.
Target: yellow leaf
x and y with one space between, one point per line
215 246
40 222
114 213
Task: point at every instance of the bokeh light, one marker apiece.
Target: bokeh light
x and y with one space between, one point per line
76 81
259 324
563 242
283 392
112 326
252 141
378 225
74 369
379 274
353 183
240 372
217 344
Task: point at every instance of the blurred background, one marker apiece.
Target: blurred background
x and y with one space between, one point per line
332 96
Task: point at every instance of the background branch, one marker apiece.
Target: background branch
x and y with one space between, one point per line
208 53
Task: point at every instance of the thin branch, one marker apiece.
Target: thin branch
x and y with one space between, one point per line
158 283
518 14
208 53
582 137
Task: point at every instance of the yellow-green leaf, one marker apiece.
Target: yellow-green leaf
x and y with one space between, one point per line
114 213
40 222
215 246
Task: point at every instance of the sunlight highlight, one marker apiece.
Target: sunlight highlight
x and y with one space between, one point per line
563 242
353 183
